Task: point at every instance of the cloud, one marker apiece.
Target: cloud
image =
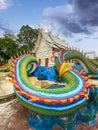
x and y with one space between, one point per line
4 4
79 40
86 14
77 16
5 29
96 38
4 26
86 11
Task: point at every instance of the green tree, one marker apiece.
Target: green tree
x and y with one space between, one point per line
8 48
9 35
2 52
27 37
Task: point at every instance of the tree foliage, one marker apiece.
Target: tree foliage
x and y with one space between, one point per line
27 37
9 35
8 47
11 44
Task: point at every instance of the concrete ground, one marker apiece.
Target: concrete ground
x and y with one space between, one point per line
13 116
6 90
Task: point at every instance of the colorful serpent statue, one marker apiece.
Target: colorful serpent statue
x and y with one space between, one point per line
90 64
52 101
4 68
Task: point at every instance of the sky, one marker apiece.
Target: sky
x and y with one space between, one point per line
76 21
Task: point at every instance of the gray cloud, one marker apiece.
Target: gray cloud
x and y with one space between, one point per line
78 16
86 11
5 29
79 40
4 26
96 38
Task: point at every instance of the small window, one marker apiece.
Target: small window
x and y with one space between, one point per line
39 62
46 62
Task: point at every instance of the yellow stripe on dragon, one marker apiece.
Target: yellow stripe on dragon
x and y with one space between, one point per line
55 101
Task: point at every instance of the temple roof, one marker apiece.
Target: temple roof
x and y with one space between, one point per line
53 41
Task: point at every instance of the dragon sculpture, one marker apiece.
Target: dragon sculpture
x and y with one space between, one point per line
57 101
53 101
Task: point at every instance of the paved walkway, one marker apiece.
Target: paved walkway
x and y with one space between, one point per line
13 116
6 89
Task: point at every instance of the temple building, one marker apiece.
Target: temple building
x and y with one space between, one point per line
48 47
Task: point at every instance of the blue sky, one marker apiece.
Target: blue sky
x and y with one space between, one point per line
74 20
